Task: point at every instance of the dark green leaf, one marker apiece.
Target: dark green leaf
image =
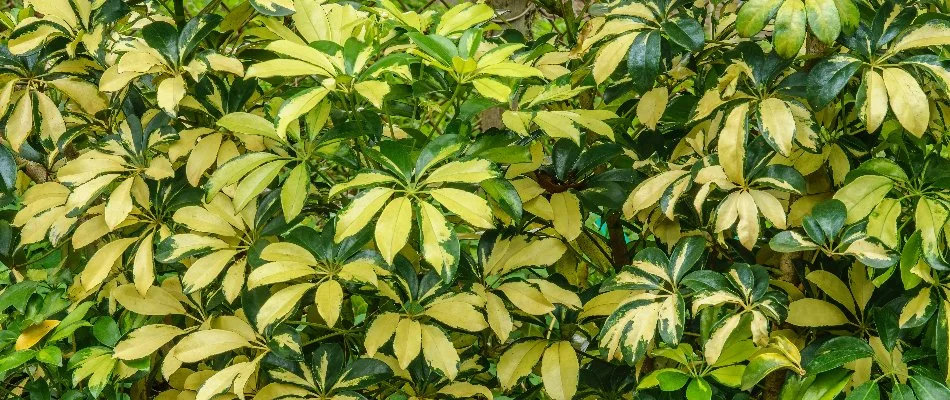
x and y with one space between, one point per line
837 352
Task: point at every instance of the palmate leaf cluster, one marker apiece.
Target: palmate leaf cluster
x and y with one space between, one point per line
311 199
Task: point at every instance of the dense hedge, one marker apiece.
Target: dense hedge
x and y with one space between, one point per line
307 199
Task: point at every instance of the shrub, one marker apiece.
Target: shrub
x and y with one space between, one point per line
307 199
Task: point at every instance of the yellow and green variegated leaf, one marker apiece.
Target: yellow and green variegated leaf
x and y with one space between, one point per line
363 179
778 124
439 351
436 236
360 211
630 329
873 93
918 309
862 195
872 252
296 106
235 169
934 32
280 304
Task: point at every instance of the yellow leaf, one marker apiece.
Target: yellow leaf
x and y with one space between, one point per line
407 342
101 263
492 89
652 105
32 335
205 269
457 314
874 108
392 228
156 301
283 67
499 319
202 157
120 204
568 220
462 17
145 341
471 208
559 371
20 122
203 344
907 100
374 91
297 106
472 171
814 312
143 265
202 220
170 92
833 287
255 182
748 226
294 190
329 298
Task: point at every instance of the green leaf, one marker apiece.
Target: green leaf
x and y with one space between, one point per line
505 195
699 389
16 359
867 391
928 389
825 221
761 366
8 169
828 385
439 47
829 77
837 352
643 60
685 32
791 241
163 36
